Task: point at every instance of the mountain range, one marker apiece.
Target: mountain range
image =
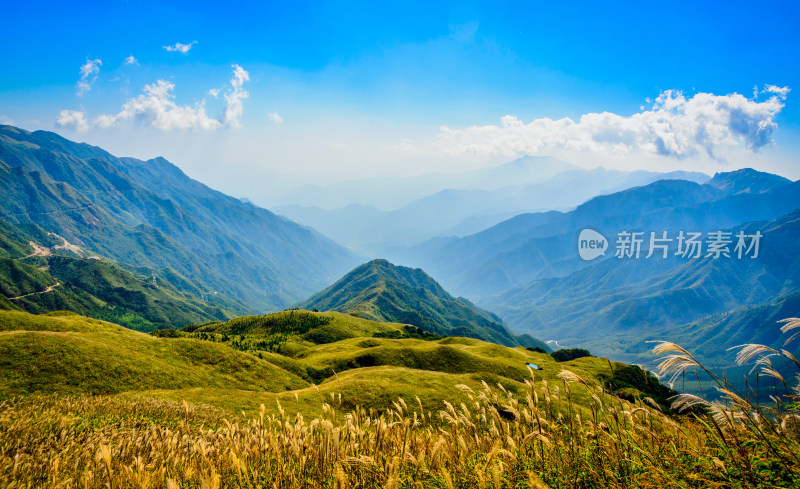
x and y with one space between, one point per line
150 215
390 193
141 244
528 271
632 297
463 211
543 245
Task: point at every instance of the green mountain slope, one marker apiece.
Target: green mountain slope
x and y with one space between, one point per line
40 273
150 214
381 291
315 327
321 345
618 294
615 306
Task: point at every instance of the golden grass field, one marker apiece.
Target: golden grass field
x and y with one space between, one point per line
90 404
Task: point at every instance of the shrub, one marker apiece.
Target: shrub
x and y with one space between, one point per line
567 354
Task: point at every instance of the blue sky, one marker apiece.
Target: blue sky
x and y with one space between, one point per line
337 90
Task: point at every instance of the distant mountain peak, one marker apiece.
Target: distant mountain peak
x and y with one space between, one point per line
381 291
747 180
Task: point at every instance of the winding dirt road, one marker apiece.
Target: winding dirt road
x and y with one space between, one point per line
48 289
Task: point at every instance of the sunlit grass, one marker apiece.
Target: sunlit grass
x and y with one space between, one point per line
562 430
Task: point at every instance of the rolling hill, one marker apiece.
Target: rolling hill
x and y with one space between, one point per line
65 353
381 291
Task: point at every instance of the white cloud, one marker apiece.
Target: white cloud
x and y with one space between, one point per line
214 92
73 119
180 48
130 60
235 96
91 67
4 119
274 117
674 126
156 107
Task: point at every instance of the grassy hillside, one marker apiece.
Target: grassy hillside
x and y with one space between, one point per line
73 354
313 326
62 352
41 272
381 291
322 347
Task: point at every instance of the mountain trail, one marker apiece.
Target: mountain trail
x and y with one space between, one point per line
48 289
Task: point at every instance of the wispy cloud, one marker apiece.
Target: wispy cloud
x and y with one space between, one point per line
675 126
73 119
782 92
156 107
274 117
214 92
130 60
4 119
180 48
234 98
89 71
404 145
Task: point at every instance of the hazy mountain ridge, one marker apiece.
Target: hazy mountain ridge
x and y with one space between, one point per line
151 214
543 245
391 193
370 230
